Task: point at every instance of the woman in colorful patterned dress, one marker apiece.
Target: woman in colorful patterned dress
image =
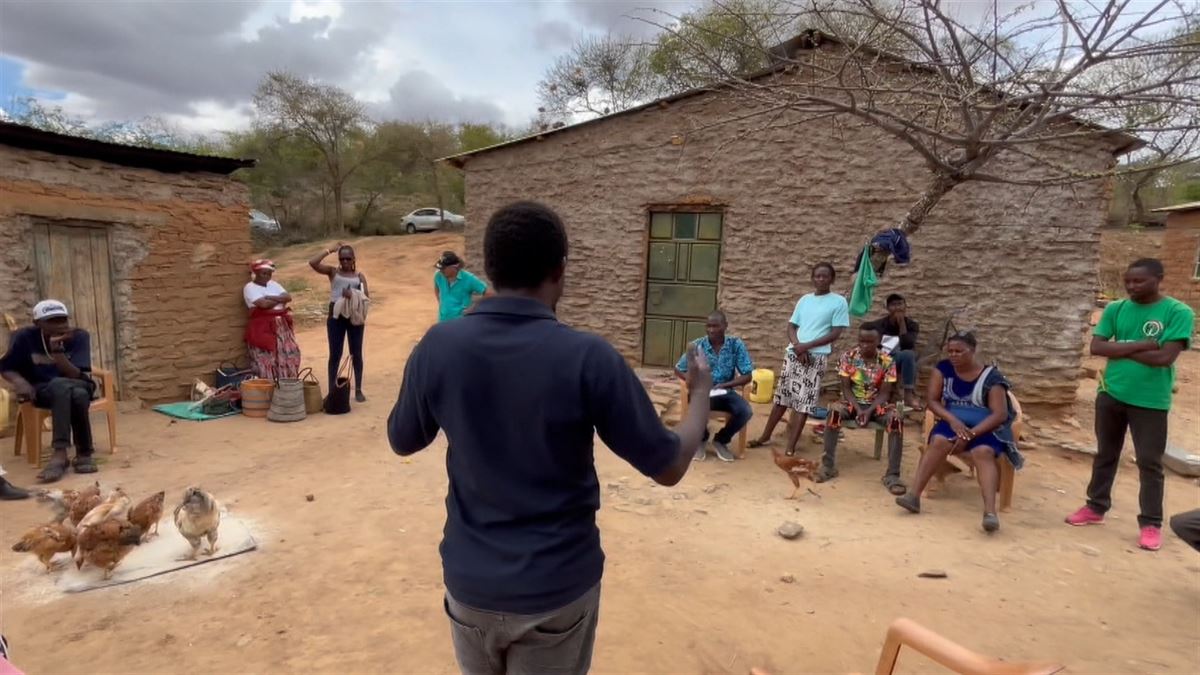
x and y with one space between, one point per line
270 339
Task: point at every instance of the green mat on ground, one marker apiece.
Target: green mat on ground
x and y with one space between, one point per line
183 411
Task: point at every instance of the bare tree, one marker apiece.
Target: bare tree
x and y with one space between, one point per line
960 94
326 116
598 76
1167 124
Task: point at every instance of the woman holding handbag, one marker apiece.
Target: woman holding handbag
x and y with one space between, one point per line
348 285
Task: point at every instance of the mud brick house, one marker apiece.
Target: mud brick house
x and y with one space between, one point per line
147 248
1181 252
673 209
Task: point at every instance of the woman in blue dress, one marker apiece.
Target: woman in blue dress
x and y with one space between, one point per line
971 403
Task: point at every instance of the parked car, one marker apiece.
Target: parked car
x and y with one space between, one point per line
428 220
261 221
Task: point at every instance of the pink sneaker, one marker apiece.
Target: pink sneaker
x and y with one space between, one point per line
1085 516
1151 538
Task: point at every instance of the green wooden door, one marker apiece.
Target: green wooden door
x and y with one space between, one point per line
682 269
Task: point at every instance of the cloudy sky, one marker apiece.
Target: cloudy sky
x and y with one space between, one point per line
197 62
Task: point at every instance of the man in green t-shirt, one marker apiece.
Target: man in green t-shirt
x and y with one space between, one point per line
1141 337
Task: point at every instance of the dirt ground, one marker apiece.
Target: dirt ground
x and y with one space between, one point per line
350 582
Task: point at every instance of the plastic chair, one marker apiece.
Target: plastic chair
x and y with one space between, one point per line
31 420
943 651
717 415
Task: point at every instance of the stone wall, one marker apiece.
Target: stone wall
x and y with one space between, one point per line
1181 246
1017 265
179 244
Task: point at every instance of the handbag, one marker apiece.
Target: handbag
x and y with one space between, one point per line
338 401
230 373
313 400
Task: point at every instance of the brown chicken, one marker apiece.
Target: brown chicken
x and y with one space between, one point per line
198 517
104 544
147 514
46 540
84 500
795 468
115 505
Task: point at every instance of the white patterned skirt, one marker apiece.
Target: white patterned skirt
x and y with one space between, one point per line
799 385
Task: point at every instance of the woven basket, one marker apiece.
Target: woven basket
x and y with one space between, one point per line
287 405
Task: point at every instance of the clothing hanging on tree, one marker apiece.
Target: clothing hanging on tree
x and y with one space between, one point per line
894 242
865 282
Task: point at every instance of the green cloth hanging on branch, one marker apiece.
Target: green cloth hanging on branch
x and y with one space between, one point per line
865 282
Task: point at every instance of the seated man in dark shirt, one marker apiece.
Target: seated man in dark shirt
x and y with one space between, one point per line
901 331
520 397
49 363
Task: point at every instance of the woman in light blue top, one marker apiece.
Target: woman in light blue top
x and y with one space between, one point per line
816 323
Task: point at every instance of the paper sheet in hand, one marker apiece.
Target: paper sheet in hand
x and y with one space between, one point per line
717 392
890 343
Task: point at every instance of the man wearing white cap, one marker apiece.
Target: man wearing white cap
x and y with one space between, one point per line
49 363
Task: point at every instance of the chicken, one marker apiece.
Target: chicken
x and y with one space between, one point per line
46 540
105 543
147 514
115 505
60 502
795 467
85 500
198 517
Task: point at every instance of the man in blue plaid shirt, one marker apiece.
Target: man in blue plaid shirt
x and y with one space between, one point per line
731 370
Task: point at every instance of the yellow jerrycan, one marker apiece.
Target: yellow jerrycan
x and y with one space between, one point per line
762 385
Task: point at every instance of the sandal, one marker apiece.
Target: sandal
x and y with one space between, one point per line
757 443
54 470
895 485
85 464
825 474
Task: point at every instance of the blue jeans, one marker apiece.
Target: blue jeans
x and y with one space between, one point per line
740 417
906 363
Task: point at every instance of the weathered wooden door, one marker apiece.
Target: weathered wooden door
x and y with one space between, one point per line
682 269
73 264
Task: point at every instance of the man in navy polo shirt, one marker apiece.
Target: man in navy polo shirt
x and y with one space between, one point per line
50 364
520 397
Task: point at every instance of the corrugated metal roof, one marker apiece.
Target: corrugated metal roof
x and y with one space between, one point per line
168 161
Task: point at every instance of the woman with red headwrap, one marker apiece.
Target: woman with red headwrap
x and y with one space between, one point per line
270 340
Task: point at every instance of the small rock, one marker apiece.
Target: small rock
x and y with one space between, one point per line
790 530
702 512
244 640
679 495
933 574
709 489
788 579
310 498
812 611
613 486
623 479
1089 550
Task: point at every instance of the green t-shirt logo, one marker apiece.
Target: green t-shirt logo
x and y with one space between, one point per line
1152 329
